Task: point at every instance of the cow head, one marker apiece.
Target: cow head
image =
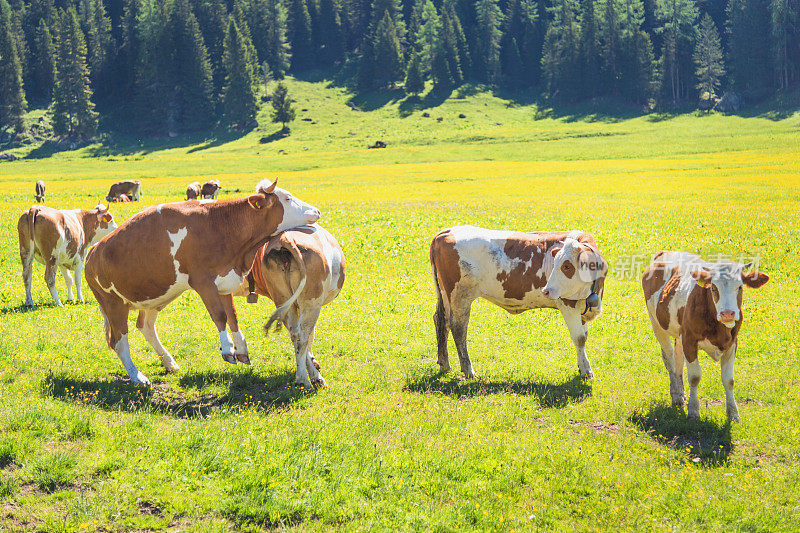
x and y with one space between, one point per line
576 269
295 212
725 281
105 223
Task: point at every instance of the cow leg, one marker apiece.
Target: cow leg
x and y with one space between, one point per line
50 279
239 342
117 321
678 374
146 324
26 256
68 282
211 298
726 367
578 332
459 321
669 356
442 327
79 279
309 319
300 342
694 373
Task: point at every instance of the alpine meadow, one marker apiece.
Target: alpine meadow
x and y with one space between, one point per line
188 136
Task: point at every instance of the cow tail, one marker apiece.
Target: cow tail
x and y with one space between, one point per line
280 312
439 317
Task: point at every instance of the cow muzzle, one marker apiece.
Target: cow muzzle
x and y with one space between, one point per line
727 317
550 293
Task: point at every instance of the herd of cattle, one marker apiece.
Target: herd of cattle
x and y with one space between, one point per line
270 245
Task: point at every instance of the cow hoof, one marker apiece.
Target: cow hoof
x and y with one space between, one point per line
320 383
306 385
243 358
693 416
444 369
229 358
677 402
733 416
140 379
587 375
316 365
171 368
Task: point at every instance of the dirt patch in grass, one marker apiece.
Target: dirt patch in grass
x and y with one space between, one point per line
599 426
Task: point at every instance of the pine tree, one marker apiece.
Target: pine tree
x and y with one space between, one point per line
428 34
388 56
332 38
96 27
415 83
73 109
678 31
611 47
44 67
708 59
449 42
749 57
464 58
277 52
589 56
785 37
518 56
300 36
212 18
239 97
440 69
283 111
251 56
489 20
561 52
636 60
12 94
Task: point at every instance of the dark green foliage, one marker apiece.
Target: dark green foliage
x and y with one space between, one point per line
415 83
489 20
44 66
785 39
331 39
12 94
239 96
300 35
282 110
561 52
678 31
589 51
73 109
100 45
708 59
749 58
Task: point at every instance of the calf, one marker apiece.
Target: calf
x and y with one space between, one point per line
699 304
516 271
40 191
300 270
205 246
132 188
59 239
193 191
210 190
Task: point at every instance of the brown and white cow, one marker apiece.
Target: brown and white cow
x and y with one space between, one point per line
40 191
59 239
193 191
210 190
166 249
300 270
132 188
699 304
516 271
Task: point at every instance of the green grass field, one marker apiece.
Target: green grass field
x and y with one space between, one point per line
392 445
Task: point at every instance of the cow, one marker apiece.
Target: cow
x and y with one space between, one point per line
300 270
699 304
122 198
193 191
210 190
130 187
40 191
517 271
168 248
60 239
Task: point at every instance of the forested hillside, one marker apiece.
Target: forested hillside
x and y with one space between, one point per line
172 66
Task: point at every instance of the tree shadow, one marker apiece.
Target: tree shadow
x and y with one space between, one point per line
434 98
704 441
549 395
372 100
25 308
241 390
282 133
224 138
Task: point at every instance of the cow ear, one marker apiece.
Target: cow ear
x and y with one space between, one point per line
555 250
702 277
257 201
755 279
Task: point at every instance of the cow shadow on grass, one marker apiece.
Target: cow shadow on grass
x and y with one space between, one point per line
195 395
549 395
27 308
704 441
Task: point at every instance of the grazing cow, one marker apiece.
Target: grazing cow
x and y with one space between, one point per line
40 191
130 187
122 198
205 246
193 191
699 304
59 239
210 190
516 271
300 270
